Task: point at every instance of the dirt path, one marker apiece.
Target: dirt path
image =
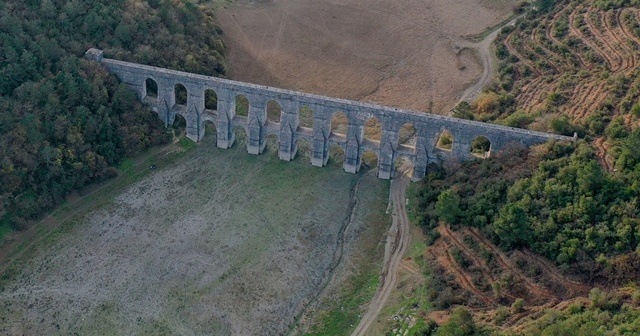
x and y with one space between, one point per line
591 44
397 242
557 42
601 154
537 37
445 231
484 49
602 40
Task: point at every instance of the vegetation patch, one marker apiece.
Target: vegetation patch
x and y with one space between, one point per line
66 122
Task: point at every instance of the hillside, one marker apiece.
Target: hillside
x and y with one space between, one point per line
65 122
541 241
577 63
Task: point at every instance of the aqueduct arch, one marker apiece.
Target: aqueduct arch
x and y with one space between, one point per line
316 128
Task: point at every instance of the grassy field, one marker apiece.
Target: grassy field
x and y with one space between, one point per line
210 241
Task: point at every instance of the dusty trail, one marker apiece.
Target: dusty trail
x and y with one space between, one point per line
594 22
601 95
514 51
602 154
534 94
397 242
463 278
557 42
628 55
541 36
484 49
584 93
528 91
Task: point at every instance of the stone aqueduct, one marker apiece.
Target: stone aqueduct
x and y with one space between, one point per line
388 148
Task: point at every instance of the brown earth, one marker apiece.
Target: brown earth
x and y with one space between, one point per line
578 37
393 53
605 36
490 278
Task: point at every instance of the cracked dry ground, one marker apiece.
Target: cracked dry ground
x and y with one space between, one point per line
220 243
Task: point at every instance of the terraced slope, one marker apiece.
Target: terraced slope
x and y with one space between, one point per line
577 60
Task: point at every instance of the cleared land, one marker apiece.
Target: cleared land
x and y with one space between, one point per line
394 53
221 242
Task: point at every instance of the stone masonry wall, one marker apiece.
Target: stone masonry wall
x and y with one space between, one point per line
388 149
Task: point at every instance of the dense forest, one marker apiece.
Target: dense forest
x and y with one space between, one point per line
65 122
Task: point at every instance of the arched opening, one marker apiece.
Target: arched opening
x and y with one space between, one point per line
151 89
372 129
481 147
241 136
408 135
369 160
210 100
445 141
305 116
336 155
272 143
274 111
304 149
181 94
179 125
339 123
242 106
210 133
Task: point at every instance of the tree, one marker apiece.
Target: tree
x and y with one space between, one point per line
460 324
512 226
448 206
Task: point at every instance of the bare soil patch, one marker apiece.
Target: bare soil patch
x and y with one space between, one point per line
394 53
488 278
220 243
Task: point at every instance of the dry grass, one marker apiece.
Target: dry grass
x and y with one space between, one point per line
394 53
221 242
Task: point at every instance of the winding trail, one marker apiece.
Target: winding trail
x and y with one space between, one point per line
397 242
398 237
484 49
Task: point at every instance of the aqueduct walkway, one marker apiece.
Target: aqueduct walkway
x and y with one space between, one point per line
388 148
